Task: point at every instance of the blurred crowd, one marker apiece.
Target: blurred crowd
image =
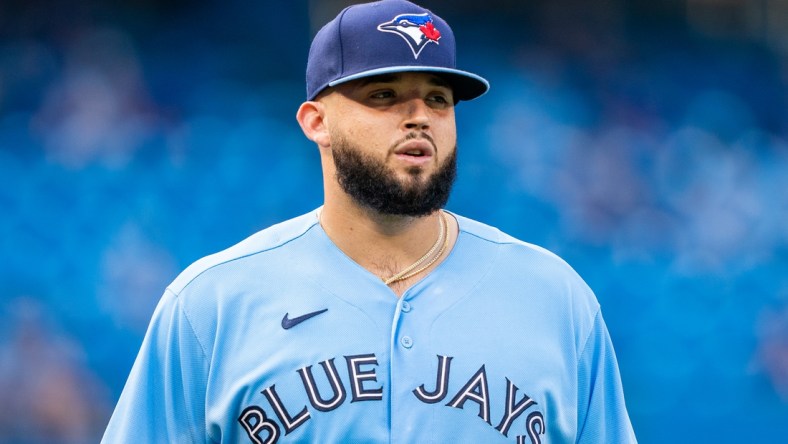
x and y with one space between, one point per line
137 138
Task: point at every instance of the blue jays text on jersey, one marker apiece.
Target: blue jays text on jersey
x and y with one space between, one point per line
362 386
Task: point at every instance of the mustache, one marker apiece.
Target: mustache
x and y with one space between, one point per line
415 135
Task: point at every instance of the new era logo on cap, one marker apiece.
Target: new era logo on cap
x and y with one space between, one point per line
367 39
417 29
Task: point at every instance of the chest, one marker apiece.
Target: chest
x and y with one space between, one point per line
320 367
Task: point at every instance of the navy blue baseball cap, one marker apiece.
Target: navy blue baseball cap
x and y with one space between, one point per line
384 37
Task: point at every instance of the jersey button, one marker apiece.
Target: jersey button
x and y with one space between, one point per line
406 342
406 307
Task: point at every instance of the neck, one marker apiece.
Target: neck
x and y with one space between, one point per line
354 228
381 243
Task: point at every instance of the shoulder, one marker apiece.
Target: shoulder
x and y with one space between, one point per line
516 264
524 253
268 240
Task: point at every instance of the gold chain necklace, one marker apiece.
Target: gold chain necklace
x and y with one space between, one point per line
442 242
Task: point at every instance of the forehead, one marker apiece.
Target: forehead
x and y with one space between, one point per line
398 79
406 77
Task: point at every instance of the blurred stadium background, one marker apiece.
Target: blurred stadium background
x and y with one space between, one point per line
645 142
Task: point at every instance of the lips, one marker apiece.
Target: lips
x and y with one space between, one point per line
415 148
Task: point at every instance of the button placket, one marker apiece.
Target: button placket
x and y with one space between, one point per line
405 360
406 341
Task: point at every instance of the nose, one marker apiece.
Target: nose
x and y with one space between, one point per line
416 115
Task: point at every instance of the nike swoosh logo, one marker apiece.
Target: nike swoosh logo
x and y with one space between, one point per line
288 323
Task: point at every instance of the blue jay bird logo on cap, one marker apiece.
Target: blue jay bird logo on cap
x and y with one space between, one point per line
417 29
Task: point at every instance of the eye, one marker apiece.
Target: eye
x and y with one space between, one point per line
382 94
440 99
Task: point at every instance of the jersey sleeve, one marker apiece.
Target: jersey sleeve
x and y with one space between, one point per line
602 413
164 397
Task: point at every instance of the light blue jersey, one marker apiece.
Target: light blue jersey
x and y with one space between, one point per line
283 338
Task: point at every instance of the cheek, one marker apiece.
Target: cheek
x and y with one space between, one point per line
352 126
445 135
370 136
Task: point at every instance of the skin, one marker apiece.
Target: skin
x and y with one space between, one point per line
377 114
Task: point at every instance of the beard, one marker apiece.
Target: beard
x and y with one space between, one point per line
373 185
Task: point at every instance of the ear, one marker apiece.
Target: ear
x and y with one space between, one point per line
312 118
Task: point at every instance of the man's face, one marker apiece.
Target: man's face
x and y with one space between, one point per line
393 142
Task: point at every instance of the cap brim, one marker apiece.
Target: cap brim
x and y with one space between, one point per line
465 85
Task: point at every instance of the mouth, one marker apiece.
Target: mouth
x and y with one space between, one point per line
416 149
414 153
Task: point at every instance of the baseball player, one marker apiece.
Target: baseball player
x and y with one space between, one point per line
379 317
